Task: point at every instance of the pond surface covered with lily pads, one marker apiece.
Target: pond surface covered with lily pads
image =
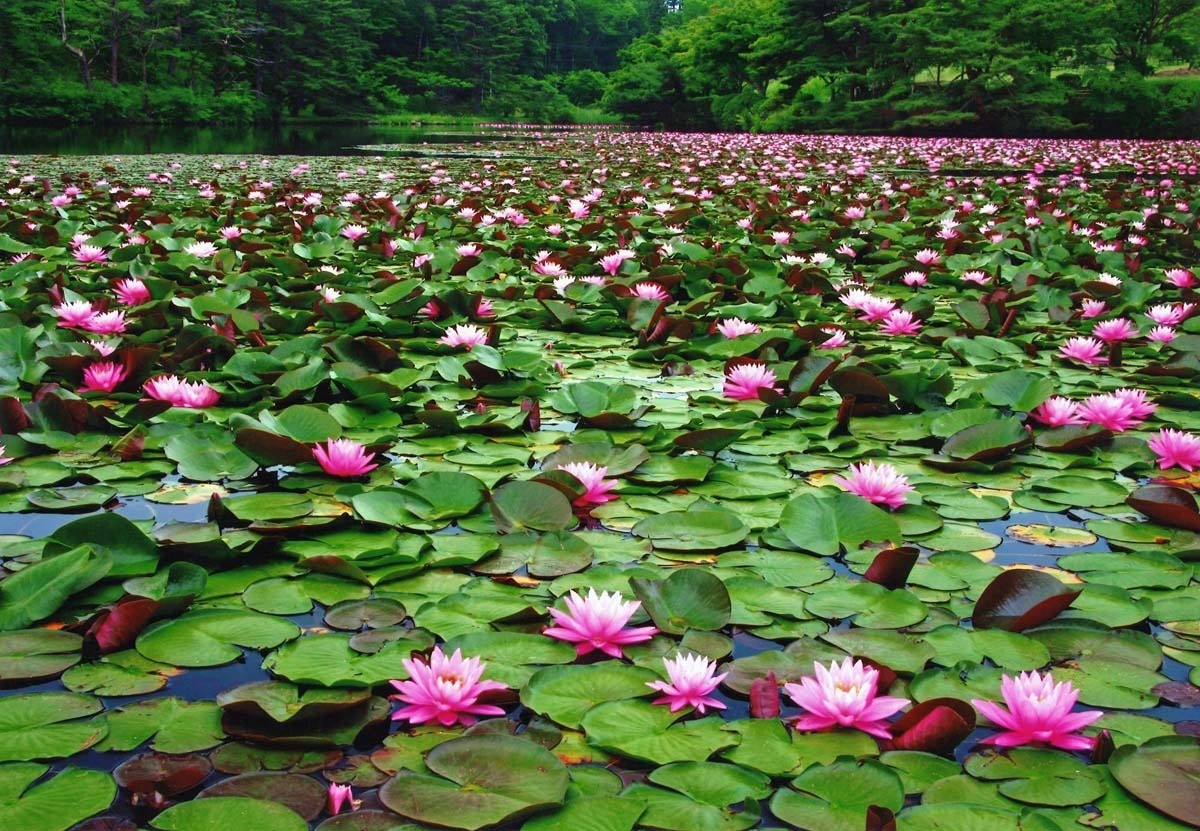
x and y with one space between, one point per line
603 481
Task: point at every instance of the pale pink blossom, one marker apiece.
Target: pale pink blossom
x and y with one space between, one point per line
734 327
74 313
881 484
201 249
599 489
876 309
550 268
1175 448
103 376
354 232
844 695
1093 308
1166 314
914 278
445 690
86 254
927 256
105 348
976 276
464 334
1161 334
691 679
1083 349
105 323
900 322
344 457
1039 712
598 621
231 232
743 381
650 291
837 338
4 457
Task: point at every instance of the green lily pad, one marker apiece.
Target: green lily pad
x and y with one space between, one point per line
836 797
689 598
229 812
692 530
28 655
302 794
122 673
479 781
1037 776
282 702
208 637
37 591
1164 773
48 725
55 804
566 693
176 726
822 524
328 661
519 506
645 731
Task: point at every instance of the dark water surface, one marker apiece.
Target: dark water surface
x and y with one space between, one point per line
325 139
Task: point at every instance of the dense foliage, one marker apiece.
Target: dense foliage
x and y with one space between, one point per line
244 60
1023 67
1007 67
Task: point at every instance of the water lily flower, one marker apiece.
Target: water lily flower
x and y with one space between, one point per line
1057 411
692 678
1161 334
103 376
561 283
469 249
231 232
1093 308
1181 278
132 291
1175 448
445 690
200 249
550 268
339 796
592 477
1138 400
1166 314
1110 411
1083 349
354 232
86 254
104 347
976 276
1039 712
1111 331
612 262
927 256
4 458
344 457
650 291
876 309
915 278
900 322
743 381
105 323
855 298
837 338
734 327
179 392
329 294
74 313
464 334
843 695
881 484
598 621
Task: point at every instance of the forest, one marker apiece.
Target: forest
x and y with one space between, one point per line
969 67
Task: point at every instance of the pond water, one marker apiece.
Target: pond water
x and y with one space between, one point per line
329 139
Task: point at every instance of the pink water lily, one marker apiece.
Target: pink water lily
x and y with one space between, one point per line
344 457
734 327
1039 712
105 323
1111 411
1176 448
650 291
1083 349
881 484
339 797
445 690
354 232
180 392
598 622
103 376
200 249
1057 411
599 489
843 695
743 381
4 457
464 334
132 292
900 322
1093 308
1118 329
691 679
86 254
74 313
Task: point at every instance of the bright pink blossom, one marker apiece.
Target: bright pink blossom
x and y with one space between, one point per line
1182 278
180 392
691 679
1175 448
103 376
1118 329
650 291
1161 334
837 338
1057 412
354 232
843 695
74 313
881 484
445 690
976 276
914 278
464 334
344 457
105 323
339 796
1039 712
1138 400
875 309
1110 411
598 621
743 381
132 292
1093 308
592 477
1166 314
86 254
1083 349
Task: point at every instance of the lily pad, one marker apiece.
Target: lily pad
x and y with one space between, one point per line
229 812
48 725
209 637
54 804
